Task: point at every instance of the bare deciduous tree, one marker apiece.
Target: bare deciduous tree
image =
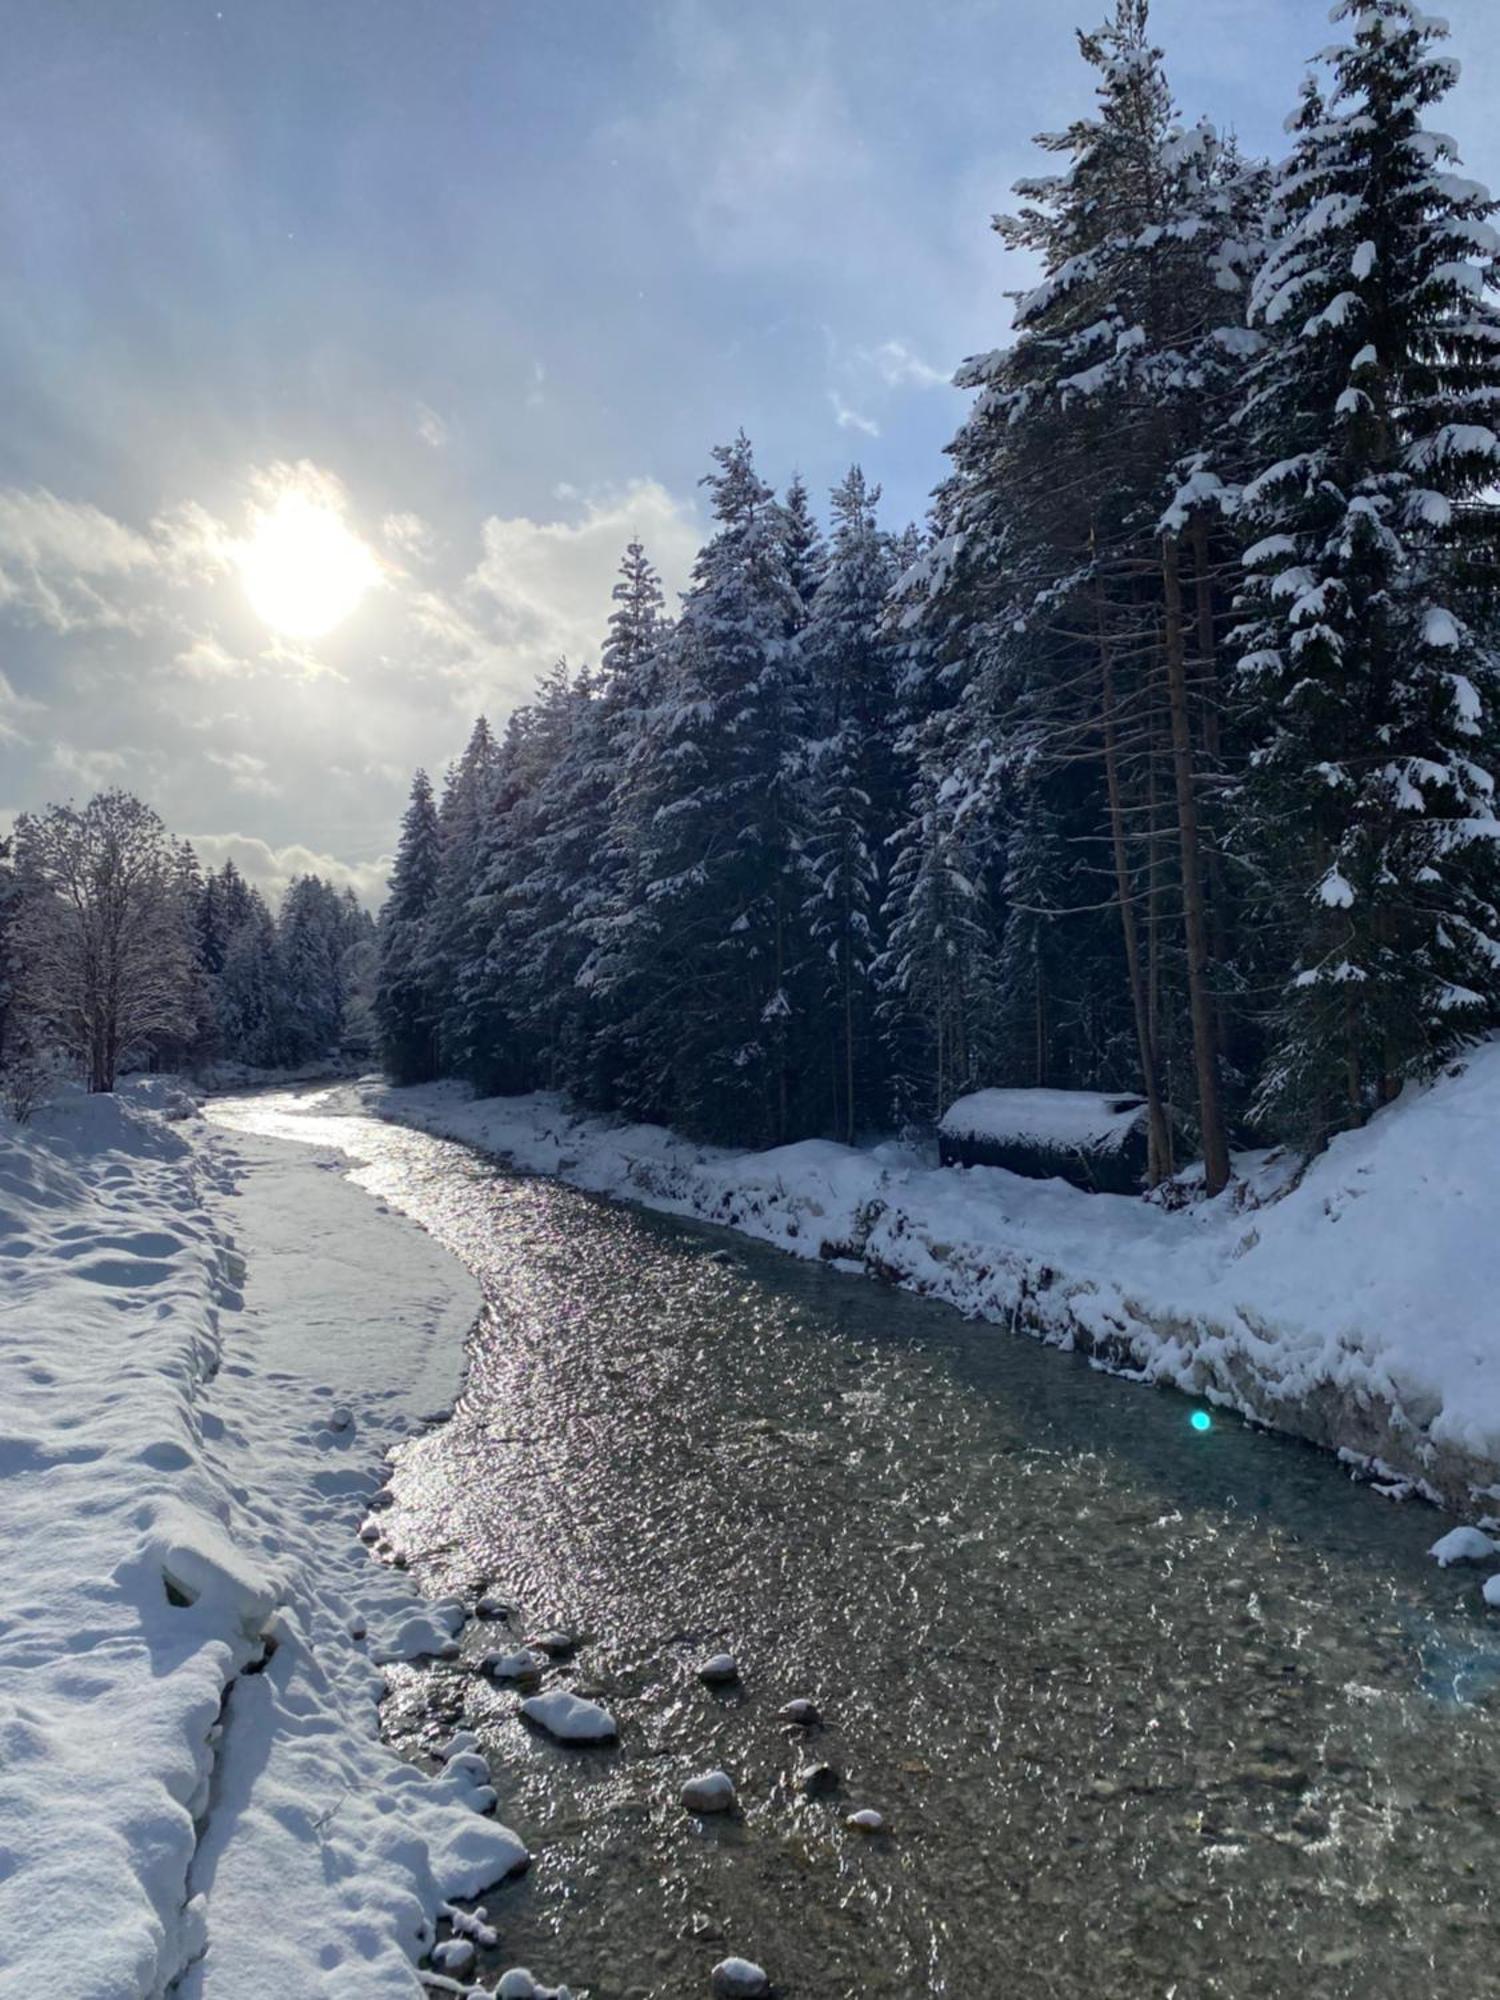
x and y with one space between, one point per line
104 945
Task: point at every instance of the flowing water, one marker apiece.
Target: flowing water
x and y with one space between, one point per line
1149 1711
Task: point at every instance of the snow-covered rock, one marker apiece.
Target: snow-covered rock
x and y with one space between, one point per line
719 1671
866 1820
1492 1592
817 1780
556 1645
522 1665
491 1606
570 1719
519 1984
738 1979
712 1792
455 1956
1464 1545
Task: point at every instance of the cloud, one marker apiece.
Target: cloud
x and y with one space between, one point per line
92 770
430 427
541 589
13 705
62 561
851 420
247 773
408 536
206 659
899 367
273 869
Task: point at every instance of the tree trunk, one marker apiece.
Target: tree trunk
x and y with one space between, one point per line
1159 1141
1200 997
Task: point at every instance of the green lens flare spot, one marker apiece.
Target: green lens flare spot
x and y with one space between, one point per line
1201 1420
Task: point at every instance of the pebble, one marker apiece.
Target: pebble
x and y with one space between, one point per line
738 1979
713 1792
369 1531
866 1820
803 1713
817 1780
720 1670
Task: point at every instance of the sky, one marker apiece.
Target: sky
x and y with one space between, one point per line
344 346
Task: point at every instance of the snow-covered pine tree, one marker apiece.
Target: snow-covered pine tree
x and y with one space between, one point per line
1367 669
805 546
1057 565
713 959
853 799
250 991
405 1002
313 935
454 934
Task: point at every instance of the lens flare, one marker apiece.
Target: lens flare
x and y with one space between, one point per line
304 570
1201 1420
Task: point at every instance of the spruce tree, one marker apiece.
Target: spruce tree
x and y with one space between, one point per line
406 1004
1366 674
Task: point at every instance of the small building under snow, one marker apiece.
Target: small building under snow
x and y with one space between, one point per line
1097 1140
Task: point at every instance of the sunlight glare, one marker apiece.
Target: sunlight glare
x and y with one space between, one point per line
303 568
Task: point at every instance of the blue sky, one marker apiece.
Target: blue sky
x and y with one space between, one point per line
487 280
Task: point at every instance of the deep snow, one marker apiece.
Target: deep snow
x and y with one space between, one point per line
192 1786
1353 1304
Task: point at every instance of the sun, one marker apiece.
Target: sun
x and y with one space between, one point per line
304 570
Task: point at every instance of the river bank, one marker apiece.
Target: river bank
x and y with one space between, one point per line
1350 1305
208 1345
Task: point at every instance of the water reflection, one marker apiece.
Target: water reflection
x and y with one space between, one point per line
1148 1712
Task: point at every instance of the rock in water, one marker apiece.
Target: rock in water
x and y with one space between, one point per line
816 1781
518 1984
556 1645
866 1820
720 1670
738 1979
340 1417
490 1606
455 1957
803 1713
520 1666
1463 1545
1492 1592
713 1792
569 1719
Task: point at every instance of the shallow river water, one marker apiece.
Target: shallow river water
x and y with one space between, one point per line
1148 1711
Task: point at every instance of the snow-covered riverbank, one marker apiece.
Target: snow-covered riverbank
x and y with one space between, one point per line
207 1344
1353 1307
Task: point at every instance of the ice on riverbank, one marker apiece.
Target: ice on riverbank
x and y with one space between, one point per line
1352 1303
189 1748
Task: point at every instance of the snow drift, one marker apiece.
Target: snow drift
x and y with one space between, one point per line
192 1788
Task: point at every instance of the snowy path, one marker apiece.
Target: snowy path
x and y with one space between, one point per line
186 1315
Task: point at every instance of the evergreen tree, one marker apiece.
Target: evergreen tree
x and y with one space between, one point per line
406 1005
1367 654
853 799
805 548
453 934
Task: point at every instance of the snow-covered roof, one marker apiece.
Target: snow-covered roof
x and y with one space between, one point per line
1064 1120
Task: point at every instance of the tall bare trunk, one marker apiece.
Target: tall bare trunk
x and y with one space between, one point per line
1200 997
1158 1134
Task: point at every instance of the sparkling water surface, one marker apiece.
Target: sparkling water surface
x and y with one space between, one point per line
1149 1711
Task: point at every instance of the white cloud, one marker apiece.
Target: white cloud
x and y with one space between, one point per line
206 659
899 367
851 420
62 562
91 770
430 427
409 537
541 589
272 869
13 706
246 773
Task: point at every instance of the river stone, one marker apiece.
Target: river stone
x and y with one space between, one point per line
569 1719
1463 1545
556 1645
738 1979
1492 1592
455 1956
523 1665
720 1670
804 1713
713 1792
817 1780
340 1418
866 1820
490 1606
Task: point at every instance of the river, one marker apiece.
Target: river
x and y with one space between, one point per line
1149 1710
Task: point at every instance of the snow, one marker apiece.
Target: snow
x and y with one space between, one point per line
1463 1545
1492 1592
192 1786
1060 1120
569 1718
1350 1303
